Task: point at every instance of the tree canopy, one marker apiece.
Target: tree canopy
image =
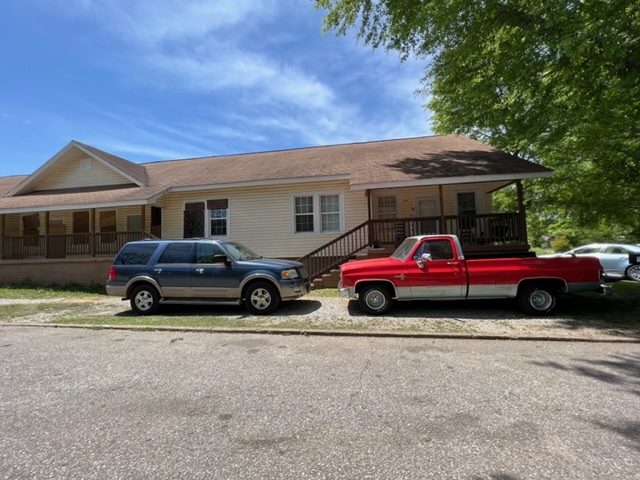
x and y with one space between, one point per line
556 82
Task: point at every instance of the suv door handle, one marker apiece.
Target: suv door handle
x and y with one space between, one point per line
200 270
157 270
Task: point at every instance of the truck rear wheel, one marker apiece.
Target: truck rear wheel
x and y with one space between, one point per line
375 299
537 300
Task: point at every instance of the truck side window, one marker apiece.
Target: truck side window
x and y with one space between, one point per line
440 249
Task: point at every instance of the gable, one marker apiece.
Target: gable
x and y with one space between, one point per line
78 166
80 171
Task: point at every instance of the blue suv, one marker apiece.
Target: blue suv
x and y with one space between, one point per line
202 271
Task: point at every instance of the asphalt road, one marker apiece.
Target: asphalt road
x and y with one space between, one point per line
98 404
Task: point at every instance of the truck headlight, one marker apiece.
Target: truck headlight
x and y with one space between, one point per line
289 274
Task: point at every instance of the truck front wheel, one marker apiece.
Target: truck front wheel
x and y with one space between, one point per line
375 299
537 300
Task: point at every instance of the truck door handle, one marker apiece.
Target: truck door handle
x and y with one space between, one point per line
452 263
200 271
157 270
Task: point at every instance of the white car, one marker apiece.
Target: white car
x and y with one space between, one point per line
614 258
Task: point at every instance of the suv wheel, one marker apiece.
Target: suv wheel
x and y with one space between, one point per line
261 298
145 300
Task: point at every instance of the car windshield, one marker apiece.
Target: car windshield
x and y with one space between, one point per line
403 251
239 251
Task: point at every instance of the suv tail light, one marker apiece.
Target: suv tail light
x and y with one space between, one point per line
112 273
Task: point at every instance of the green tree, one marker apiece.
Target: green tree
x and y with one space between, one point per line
556 82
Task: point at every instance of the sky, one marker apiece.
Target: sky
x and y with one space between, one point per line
155 80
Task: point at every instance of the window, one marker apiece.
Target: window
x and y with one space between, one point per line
317 213
218 217
387 207
466 203
330 213
304 214
177 253
206 219
136 254
206 253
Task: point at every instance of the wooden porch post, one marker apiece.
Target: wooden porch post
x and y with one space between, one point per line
521 208
46 234
144 221
441 195
368 195
92 232
2 234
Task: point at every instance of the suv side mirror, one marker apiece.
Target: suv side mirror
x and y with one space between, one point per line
221 258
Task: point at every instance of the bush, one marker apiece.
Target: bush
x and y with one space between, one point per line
561 244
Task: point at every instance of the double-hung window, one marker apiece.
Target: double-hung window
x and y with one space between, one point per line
317 213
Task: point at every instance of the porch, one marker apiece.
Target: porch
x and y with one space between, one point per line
481 235
66 245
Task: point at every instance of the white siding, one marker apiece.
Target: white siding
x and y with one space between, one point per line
83 172
260 217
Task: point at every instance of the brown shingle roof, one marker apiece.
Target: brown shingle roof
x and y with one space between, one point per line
428 160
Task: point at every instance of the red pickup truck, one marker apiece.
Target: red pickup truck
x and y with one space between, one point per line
433 267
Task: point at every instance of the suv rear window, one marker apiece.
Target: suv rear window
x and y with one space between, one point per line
136 254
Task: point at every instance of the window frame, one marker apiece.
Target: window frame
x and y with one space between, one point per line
207 217
317 213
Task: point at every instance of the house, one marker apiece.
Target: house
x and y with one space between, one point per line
322 205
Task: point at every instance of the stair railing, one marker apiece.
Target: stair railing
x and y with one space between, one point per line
339 250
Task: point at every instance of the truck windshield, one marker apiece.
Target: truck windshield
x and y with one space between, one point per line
403 251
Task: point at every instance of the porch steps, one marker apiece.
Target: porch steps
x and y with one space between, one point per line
331 279
328 280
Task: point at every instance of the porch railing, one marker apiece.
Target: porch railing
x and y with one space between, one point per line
481 231
68 245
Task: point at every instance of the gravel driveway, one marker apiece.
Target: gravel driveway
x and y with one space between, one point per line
315 313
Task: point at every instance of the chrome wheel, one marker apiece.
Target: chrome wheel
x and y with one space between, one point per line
537 299
633 273
541 300
260 298
145 300
375 299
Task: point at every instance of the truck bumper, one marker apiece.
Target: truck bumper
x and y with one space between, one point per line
346 292
605 289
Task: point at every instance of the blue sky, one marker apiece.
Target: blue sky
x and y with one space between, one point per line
164 79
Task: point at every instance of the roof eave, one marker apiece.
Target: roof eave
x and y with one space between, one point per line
450 180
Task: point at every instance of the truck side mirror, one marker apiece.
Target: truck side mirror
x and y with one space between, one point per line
424 258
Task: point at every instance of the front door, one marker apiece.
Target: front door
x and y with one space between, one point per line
210 276
427 207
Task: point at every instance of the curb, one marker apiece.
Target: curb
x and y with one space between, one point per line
330 333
